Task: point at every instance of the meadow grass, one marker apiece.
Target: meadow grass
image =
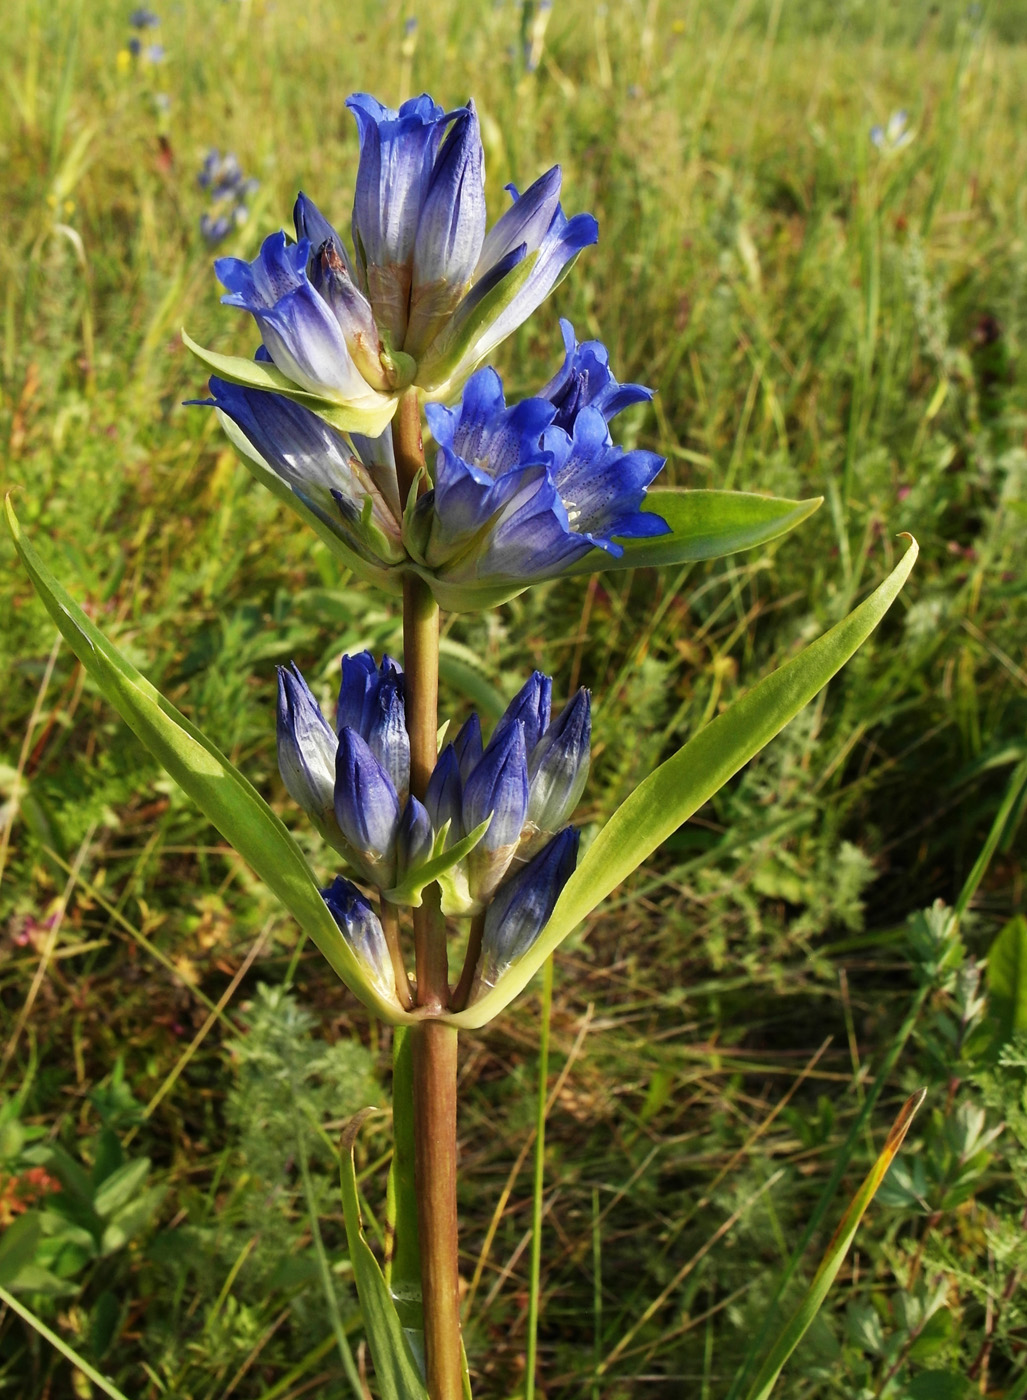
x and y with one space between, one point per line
818 318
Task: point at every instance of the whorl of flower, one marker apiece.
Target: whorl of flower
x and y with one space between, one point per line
143 19
427 293
363 932
352 780
520 493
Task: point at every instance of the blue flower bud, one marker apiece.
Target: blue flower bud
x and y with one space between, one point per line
450 232
306 748
360 690
558 766
362 931
445 795
415 838
366 808
387 735
468 746
498 787
521 907
531 706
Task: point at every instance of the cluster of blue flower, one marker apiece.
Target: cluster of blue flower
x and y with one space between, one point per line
142 20
500 807
516 494
228 190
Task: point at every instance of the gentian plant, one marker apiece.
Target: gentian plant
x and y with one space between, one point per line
368 344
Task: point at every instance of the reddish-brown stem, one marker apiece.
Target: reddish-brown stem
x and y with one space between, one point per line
463 987
433 1044
390 927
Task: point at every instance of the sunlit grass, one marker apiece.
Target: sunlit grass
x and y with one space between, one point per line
818 318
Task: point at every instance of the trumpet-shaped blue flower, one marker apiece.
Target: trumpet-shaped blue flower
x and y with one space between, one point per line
558 768
363 932
519 496
352 491
586 380
427 294
522 906
300 329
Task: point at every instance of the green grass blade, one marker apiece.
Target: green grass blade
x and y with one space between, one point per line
704 525
399 1376
680 786
535 1286
200 769
59 1344
796 1328
403 1264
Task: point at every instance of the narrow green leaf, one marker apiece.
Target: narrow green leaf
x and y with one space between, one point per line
403 1264
218 788
679 787
18 1245
119 1188
399 1377
704 525
371 414
409 892
796 1328
59 1344
1007 980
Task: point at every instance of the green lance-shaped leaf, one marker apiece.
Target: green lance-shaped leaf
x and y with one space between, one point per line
411 888
795 1329
215 785
399 1377
403 1257
1007 980
680 786
704 525
371 414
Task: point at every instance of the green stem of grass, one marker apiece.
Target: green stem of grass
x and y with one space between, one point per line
540 1167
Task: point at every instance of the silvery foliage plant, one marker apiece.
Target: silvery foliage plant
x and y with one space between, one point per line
367 345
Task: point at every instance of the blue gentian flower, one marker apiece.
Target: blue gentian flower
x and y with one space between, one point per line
558 768
214 230
519 495
585 379
355 497
522 906
300 329
143 19
363 932
427 293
